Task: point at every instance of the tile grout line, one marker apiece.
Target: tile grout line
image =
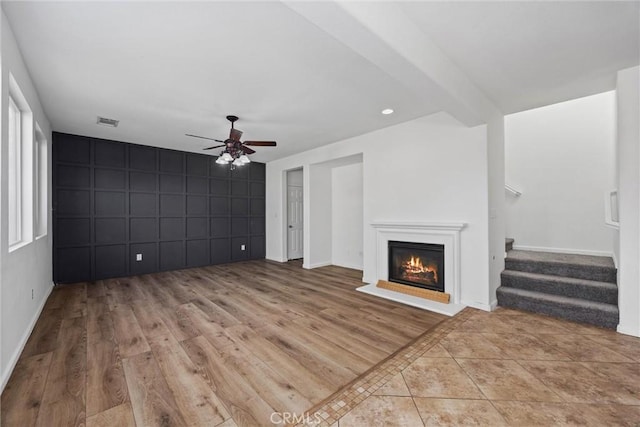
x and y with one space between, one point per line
380 374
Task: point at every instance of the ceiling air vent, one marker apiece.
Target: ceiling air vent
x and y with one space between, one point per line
108 122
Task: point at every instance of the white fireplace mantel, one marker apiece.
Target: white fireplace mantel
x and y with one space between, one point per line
443 233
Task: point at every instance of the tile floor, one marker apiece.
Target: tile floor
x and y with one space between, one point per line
501 368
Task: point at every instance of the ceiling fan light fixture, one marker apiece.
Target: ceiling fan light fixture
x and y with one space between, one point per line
221 161
227 157
237 162
244 159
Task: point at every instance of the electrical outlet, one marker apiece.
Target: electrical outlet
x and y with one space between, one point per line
242 247
138 257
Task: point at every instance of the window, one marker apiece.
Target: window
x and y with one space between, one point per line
41 183
20 168
15 179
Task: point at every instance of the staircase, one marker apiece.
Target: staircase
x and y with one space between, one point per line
580 288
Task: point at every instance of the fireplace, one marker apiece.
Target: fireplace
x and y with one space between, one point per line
417 264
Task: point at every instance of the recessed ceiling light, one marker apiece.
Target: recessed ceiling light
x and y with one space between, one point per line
108 122
387 111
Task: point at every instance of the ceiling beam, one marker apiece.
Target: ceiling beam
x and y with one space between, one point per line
384 35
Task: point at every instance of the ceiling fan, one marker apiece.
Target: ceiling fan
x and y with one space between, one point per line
235 151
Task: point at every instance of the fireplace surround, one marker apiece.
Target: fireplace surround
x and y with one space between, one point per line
442 233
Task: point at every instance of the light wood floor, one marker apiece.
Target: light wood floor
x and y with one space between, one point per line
202 347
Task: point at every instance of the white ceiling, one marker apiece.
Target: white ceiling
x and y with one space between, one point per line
169 68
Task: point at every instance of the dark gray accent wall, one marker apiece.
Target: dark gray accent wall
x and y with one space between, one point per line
113 200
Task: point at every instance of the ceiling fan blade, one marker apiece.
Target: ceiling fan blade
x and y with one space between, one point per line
203 137
260 143
235 134
216 146
247 150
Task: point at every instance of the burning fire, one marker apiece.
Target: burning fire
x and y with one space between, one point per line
414 267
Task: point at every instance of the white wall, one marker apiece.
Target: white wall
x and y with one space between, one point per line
29 267
346 216
562 158
628 153
317 211
441 176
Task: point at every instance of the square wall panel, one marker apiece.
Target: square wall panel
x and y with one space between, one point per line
110 203
256 189
197 253
171 161
171 256
110 230
237 254
239 206
218 171
219 205
149 263
256 226
197 227
241 173
198 164
111 261
257 207
73 202
239 226
219 227
171 228
109 153
72 265
197 185
257 171
141 181
171 205
72 148
143 204
171 184
239 188
257 247
220 251
110 178
72 231
219 187
143 229
143 158
73 176
197 205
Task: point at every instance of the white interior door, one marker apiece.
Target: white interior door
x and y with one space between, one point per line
294 222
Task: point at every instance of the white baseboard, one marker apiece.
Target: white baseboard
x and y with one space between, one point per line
494 304
347 265
563 250
623 330
479 305
276 259
23 341
315 265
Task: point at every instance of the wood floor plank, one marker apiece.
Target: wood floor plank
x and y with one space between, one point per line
22 397
151 399
120 416
64 398
208 328
244 404
44 337
196 401
226 344
302 376
129 336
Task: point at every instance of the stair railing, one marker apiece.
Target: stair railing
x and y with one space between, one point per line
512 191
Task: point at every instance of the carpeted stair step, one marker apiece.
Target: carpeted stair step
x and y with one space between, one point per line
574 309
596 268
508 244
565 286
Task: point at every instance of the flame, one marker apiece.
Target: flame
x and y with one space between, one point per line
414 266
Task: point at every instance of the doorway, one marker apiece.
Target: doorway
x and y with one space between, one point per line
295 219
